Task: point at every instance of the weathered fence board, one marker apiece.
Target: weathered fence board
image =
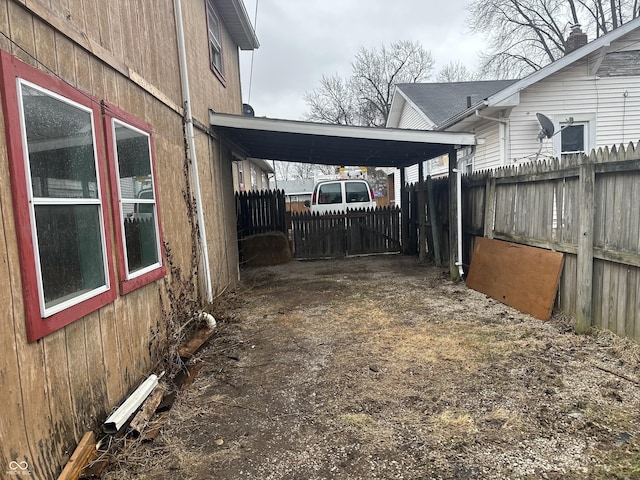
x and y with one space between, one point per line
586 207
340 234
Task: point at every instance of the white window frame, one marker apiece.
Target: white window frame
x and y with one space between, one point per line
34 201
136 201
240 175
215 38
254 178
564 120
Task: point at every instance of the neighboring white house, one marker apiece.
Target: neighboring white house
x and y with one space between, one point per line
251 174
591 95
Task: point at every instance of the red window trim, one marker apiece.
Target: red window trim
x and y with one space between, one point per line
220 75
37 326
111 112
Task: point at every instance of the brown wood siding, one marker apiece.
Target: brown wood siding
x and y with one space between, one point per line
56 389
207 90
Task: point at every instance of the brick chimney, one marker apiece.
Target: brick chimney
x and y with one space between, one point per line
577 38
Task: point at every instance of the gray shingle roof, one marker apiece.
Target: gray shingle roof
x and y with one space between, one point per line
441 101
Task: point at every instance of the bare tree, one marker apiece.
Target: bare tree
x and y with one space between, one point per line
525 35
365 97
301 171
456 71
332 102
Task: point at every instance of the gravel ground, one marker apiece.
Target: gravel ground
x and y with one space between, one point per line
382 368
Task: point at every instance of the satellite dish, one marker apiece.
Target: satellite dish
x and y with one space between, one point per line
547 127
247 110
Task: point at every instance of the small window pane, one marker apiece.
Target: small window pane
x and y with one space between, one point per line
60 146
357 192
215 48
134 163
330 193
138 198
70 248
573 138
141 239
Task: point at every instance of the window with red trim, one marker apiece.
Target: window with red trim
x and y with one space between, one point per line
138 232
56 170
59 186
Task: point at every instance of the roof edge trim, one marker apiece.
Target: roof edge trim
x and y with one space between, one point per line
345 131
245 37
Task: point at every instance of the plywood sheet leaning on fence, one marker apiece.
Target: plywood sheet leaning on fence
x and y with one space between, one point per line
522 277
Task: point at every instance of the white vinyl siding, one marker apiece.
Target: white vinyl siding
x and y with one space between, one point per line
411 119
411 174
487 154
570 93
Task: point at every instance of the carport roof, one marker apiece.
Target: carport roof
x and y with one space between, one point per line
321 143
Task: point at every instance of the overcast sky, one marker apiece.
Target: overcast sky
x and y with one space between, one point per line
300 40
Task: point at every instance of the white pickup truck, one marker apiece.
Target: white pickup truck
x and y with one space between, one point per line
338 196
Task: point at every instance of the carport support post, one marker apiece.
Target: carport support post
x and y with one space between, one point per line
404 203
422 248
453 214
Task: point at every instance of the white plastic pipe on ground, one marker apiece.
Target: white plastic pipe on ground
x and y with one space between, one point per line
118 418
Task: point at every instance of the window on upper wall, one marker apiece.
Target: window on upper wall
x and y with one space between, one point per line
240 176
59 193
254 178
215 40
574 134
138 231
572 138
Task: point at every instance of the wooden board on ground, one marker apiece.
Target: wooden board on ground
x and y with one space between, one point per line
196 342
84 453
520 276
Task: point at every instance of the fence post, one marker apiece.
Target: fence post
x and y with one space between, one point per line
453 215
422 224
584 314
489 206
404 221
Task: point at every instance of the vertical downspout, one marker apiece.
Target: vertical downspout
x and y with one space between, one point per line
459 225
184 80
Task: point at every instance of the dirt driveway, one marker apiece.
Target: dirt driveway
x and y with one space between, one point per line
381 368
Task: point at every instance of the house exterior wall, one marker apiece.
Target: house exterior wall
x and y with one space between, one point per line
64 384
208 90
487 154
411 119
253 176
614 118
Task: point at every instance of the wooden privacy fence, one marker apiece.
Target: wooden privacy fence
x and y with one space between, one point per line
586 207
260 212
341 234
433 217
